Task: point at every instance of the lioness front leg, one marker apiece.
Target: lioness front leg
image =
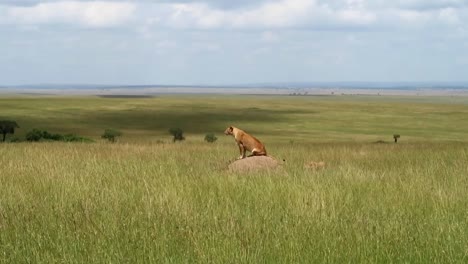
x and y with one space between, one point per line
242 151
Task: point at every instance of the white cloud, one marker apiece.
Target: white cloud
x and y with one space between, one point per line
430 18
286 13
413 17
195 15
273 14
425 4
358 17
91 14
263 15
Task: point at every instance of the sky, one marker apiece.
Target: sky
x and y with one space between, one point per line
193 42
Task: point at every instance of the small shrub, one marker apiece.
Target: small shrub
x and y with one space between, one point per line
54 137
74 138
111 134
396 137
210 138
34 135
177 133
46 135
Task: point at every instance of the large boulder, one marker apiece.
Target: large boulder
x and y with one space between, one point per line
255 163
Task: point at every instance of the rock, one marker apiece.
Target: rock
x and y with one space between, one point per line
255 163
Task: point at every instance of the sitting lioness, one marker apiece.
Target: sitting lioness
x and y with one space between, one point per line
246 142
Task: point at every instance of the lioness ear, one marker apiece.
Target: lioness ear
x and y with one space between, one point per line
230 128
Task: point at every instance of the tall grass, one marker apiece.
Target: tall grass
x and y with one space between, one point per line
176 203
139 201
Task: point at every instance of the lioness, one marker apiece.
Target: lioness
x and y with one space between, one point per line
246 142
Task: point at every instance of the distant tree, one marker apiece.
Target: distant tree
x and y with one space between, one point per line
7 127
210 138
396 137
111 134
177 133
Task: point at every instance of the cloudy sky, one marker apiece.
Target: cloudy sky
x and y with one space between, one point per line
232 41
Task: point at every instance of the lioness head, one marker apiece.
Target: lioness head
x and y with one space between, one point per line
228 131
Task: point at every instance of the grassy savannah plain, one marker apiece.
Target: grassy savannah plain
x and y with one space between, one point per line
145 199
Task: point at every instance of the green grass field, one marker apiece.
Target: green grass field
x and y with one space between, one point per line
147 200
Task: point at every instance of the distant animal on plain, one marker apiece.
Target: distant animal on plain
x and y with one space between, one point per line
246 142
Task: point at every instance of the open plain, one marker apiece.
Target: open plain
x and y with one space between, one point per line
145 199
